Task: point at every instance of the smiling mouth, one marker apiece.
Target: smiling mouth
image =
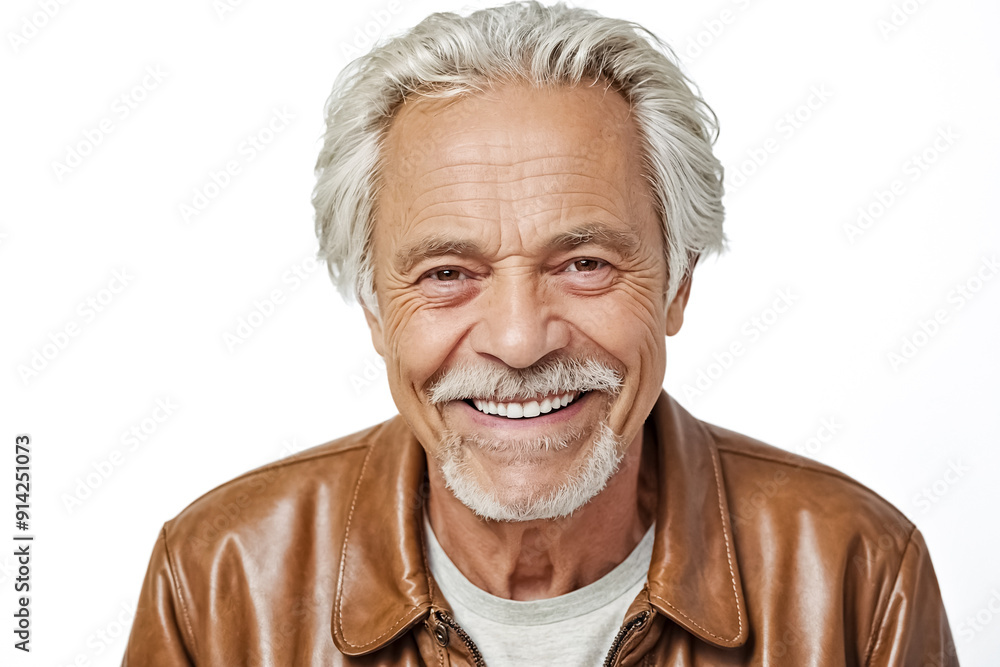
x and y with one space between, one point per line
525 409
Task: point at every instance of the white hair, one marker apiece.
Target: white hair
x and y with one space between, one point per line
447 55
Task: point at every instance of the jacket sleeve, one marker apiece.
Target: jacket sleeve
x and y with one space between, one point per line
914 627
158 633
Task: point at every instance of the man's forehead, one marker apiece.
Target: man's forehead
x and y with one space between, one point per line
586 121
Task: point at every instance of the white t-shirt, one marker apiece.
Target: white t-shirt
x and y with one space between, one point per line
574 629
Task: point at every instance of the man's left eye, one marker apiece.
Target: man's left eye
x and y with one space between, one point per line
446 275
584 265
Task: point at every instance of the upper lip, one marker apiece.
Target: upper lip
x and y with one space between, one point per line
522 399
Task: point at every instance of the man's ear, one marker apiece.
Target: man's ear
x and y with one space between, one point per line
375 327
675 311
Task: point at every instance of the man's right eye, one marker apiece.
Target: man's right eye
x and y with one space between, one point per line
446 275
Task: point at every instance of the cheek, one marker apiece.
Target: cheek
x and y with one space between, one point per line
419 341
626 323
630 328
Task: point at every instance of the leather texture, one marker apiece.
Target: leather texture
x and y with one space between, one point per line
761 557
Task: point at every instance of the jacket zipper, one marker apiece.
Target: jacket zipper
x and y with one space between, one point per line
447 619
616 645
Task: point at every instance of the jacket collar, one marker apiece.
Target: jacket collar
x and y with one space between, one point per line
383 586
693 576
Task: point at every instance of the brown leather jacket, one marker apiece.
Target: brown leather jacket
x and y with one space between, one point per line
761 557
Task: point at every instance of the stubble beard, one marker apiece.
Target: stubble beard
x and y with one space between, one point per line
539 501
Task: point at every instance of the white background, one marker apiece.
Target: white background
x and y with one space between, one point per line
308 373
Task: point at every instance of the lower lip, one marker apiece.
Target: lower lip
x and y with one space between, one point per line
550 418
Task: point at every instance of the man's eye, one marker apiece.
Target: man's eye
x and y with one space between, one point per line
446 275
582 265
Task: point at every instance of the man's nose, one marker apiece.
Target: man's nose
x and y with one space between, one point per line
518 324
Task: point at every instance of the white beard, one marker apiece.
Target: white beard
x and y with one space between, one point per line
559 500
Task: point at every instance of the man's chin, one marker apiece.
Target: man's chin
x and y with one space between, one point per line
522 490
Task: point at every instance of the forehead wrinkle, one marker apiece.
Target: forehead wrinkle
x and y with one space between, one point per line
566 216
508 181
426 213
437 204
614 203
487 208
454 218
482 211
495 165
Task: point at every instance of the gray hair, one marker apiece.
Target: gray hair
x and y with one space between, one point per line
447 55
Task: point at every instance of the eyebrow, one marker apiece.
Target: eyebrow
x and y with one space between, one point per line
409 256
625 243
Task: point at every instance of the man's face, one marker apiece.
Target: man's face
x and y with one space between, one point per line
516 232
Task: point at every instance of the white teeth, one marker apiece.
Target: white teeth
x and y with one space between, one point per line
514 410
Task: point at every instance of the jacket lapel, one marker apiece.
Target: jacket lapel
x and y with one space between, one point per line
693 577
382 586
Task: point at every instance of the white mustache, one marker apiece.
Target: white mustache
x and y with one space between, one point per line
499 383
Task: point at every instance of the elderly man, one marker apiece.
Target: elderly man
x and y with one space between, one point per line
517 198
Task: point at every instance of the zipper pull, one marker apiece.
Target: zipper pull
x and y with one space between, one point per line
635 624
441 633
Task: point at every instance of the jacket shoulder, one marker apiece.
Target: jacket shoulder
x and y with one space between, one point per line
283 500
265 544
762 479
806 532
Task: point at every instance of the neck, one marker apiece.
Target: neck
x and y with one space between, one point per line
544 558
